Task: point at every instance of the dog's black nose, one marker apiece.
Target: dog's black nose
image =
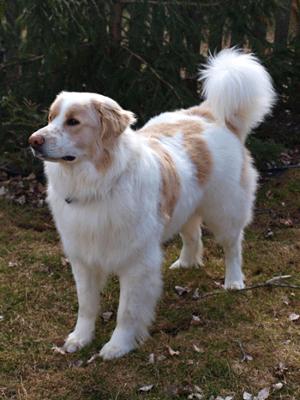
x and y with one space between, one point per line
36 141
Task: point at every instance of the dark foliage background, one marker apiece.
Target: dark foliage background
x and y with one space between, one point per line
143 53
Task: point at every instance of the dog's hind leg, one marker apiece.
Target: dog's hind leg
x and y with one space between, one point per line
192 250
234 278
140 288
89 282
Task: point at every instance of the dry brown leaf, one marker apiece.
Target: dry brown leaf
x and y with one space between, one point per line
151 359
93 358
277 386
173 352
146 388
195 320
58 350
294 317
198 349
106 316
263 394
180 290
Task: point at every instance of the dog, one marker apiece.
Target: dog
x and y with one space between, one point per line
116 194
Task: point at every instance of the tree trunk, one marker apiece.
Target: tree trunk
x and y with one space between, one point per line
282 22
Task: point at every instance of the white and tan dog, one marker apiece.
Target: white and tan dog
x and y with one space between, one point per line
117 194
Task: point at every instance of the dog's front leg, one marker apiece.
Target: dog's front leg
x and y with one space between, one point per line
89 282
140 288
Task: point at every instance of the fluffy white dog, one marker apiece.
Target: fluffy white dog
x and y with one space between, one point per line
117 194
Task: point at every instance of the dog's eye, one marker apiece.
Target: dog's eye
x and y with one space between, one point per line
72 122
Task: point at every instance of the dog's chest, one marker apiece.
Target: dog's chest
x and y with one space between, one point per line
102 234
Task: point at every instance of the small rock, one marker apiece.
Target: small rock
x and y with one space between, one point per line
3 191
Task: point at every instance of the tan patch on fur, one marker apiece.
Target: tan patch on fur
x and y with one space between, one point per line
54 109
170 182
113 120
194 144
200 156
247 161
232 128
166 129
202 111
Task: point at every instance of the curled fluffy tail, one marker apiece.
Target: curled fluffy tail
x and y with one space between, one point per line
238 90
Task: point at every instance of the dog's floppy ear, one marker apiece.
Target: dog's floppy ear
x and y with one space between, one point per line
114 120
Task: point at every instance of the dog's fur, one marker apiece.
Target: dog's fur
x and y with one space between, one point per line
117 194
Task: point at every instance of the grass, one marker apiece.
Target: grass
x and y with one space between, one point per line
38 304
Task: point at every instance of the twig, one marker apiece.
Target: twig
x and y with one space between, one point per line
280 169
19 62
174 2
245 356
140 58
266 284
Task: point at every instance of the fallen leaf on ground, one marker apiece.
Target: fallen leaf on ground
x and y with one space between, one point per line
151 359
12 264
198 349
263 394
146 388
196 294
277 386
180 290
195 320
278 278
294 317
286 222
247 396
76 364
93 358
197 396
64 261
173 352
58 350
106 316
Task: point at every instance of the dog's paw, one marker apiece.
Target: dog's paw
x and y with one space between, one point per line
182 264
113 349
234 285
74 342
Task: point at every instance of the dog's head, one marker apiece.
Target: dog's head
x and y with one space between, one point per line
81 126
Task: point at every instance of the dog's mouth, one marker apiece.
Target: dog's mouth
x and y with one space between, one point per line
43 157
68 158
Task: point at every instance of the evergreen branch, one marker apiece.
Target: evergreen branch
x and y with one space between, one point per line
155 73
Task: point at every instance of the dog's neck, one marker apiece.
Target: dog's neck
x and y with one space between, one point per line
81 183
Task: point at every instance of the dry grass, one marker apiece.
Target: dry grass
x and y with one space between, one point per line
38 305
